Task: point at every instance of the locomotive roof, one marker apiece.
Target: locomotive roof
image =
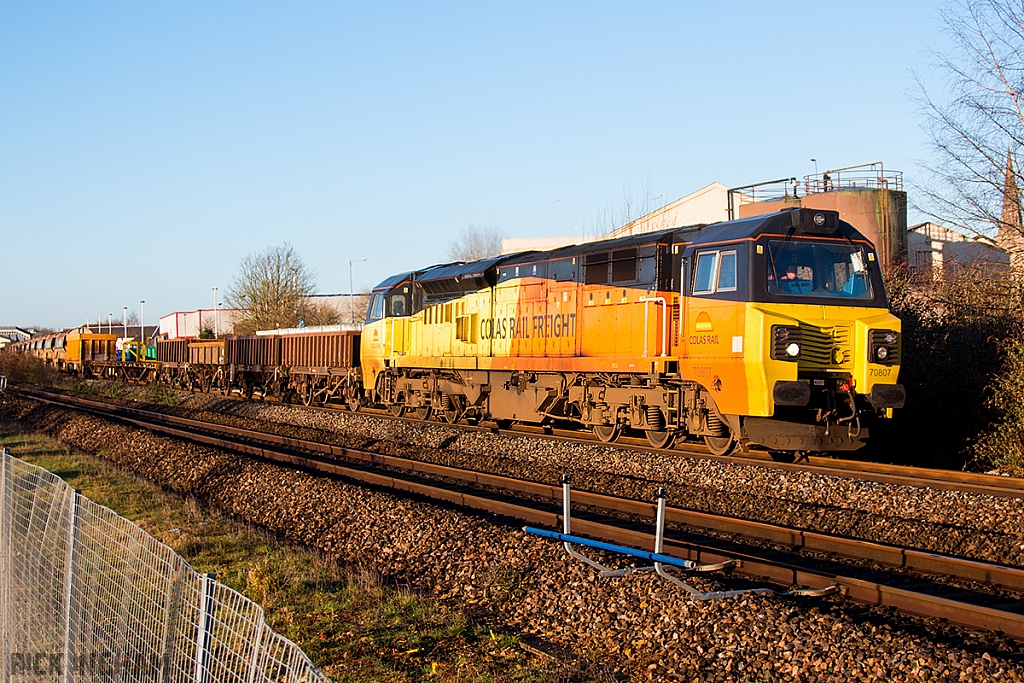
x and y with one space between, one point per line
799 221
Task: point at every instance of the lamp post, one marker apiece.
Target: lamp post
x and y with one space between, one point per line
142 327
110 323
124 320
351 303
216 313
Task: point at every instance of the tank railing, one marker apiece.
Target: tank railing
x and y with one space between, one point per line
871 176
771 190
661 562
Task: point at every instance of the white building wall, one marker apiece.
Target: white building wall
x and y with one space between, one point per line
188 324
932 247
709 204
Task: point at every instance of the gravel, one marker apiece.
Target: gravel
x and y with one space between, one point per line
981 527
638 627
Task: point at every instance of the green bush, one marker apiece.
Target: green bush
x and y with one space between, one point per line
22 368
953 327
1002 445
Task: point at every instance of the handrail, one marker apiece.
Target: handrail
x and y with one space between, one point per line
664 323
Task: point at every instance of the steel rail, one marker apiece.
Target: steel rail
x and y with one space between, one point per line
900 475
882 473
958 612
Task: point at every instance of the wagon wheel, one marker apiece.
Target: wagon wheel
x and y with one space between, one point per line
660 439
607 433
248 390
451 411
720 445
307 394
352 399
424 412
397 409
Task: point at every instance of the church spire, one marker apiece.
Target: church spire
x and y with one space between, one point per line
1011 228
1011 218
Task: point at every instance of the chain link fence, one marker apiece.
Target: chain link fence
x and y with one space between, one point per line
86 595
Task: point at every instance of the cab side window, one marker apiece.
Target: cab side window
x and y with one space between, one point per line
376 310
398 305
716 272
703 282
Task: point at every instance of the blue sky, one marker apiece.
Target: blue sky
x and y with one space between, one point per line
145 148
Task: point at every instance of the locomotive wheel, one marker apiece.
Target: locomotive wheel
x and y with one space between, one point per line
660 439
424 412
353 404
607 433
720 445
397 409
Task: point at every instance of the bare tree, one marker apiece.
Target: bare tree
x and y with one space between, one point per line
633 204
474 243
979 122
272 290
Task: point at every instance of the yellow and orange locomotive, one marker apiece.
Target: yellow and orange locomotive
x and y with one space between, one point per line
772 330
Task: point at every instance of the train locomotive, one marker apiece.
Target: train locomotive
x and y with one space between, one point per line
772 330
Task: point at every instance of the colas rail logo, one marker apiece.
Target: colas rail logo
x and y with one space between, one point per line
703 325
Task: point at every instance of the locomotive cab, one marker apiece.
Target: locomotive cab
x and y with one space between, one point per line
789 328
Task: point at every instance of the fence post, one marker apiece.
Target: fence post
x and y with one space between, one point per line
203 626
6 519
167 645
257 646
70 560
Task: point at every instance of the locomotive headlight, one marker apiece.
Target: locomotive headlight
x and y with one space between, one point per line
884 347
786 342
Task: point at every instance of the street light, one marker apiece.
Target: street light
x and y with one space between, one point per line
815 166
124 319
142 327
216 313
110 323
351 303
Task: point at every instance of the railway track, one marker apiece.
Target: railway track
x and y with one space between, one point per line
883 473
626 522
902 475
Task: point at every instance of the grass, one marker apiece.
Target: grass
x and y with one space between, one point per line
351 624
